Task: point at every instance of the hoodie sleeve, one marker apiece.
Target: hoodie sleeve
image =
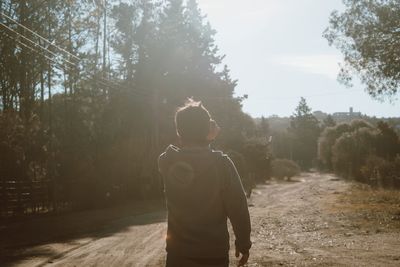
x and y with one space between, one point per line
235 203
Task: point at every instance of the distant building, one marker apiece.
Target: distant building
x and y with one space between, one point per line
320 115
346 115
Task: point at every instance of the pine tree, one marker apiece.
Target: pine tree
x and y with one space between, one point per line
304 128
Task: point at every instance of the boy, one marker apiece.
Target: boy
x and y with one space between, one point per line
202 190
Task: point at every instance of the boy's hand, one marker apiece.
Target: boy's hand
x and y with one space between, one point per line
244 259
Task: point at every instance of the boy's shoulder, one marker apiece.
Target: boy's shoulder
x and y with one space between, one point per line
172 149
172 152
169 151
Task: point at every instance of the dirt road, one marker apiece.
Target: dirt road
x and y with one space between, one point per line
306 222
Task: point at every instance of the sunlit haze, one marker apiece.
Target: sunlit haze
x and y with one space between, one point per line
276 51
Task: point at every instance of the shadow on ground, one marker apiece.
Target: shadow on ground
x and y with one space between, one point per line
32 238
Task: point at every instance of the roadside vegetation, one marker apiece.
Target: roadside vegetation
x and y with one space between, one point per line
88 90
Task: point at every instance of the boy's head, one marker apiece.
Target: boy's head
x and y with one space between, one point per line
192 123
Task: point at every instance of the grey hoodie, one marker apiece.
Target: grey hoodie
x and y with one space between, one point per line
203 189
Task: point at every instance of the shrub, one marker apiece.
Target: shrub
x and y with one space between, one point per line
257 156
326 141
381 172
240 162
242 168
351 150
284 168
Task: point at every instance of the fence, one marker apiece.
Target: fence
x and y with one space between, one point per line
21 198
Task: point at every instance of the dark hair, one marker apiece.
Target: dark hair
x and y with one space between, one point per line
192 122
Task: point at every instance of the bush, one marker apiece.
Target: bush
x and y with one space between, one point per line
350 151
284 168
257 156
326 142
381 172
242 168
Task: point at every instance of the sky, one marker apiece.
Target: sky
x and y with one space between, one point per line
276 51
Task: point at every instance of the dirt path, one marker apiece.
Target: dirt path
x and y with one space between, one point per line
309 223
294 224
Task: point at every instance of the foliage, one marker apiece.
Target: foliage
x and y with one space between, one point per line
241 166
367 34
263 128
382 172
328 122
282 144
361 151
388 142
284 168
252 158
23 148
240 163
327 140
350 151
329 137
258 157
304 129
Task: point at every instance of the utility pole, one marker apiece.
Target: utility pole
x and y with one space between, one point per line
53 196
156 119
104 37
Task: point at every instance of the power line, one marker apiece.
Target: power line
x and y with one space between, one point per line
116 85
41 37
29 47
57 64
61 49
35 44
103 81
38 35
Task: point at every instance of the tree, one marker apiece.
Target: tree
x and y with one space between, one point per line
325 142
304 128
328 122
263 127
329 137
258 158
351 150
367 34
125 15
388 142
360 150
282 144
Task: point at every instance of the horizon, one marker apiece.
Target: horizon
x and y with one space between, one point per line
325 113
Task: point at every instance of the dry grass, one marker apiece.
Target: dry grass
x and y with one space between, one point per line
368 207
366 196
